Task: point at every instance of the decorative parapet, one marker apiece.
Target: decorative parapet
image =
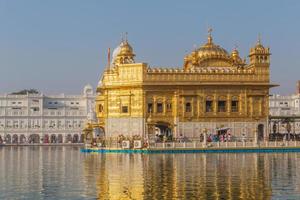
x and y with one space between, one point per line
209 74
210 70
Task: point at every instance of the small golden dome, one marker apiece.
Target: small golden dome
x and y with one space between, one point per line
234 53
126 49
258 45
235 56
123 54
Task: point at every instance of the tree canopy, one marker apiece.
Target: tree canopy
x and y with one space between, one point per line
26 91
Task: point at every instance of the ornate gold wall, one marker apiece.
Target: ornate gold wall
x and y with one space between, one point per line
212 89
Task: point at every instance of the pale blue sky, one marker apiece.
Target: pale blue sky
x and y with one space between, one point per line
60 45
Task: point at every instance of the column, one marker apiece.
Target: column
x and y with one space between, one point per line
215 104
228 104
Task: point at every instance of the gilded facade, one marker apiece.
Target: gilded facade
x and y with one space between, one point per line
213 91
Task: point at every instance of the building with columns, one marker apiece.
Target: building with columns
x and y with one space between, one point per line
39 118
285 112
214 90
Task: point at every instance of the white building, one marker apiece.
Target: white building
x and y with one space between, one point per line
283 109
38 118
284 105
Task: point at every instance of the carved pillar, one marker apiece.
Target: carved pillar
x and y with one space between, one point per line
182 106
228 104
175 102
176 114
251 106
193 107
215 104
164 105
260 102
154 105
198 106
240 104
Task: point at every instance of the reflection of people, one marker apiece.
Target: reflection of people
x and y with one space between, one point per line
180 137
243 136
222 138
201 137
228 135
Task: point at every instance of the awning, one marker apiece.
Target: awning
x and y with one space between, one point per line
222 129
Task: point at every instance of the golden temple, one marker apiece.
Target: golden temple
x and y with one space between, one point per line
213 91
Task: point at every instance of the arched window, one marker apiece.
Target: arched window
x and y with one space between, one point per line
159 107
234 104
209 104
150 107
100 108
188 107
222 104
169 106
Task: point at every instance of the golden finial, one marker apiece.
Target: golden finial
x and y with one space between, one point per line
259 39
194 47
235 47
126 36
209 38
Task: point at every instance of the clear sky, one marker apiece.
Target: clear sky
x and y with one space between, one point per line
60 45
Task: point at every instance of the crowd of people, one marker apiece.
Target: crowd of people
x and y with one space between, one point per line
218 137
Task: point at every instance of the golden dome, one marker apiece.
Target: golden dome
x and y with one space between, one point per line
123 54
126 49
211 50
235 56
208 55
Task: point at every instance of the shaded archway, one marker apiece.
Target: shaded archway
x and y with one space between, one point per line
53 138
15 139
101 132
59 138
163 130
22 139
75 138
81 138
8 139
260 131
69 138
34 138
1 140
46 138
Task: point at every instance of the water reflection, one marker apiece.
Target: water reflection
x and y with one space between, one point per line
65 173
182 176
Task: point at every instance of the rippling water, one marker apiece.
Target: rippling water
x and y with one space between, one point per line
65 173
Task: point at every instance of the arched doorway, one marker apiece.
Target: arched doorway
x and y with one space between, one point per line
15 139
260 132
1 140
46 138
34 138
53 138
22 139
101 132
163 130
81 138
75 138
59 138
69 138
8 139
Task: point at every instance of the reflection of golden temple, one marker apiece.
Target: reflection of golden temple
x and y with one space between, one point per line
213 89
137 176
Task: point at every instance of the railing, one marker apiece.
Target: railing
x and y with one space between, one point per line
235 144
193 143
